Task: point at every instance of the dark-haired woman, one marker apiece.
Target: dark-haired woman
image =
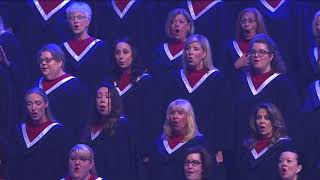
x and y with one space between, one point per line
260 152
40 146
266 80
136 88
110 137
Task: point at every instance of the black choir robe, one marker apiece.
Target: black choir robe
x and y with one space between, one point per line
45 157
311 70
116 155
310 128
231 53
92 65
141 106
167 163
164 61
134 21
211 100
70 103
14 81
214 23
264 165
38 28
277 89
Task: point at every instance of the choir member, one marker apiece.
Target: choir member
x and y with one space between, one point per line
289 165
87 57
209 92
311 71
310 127
81 164
260 152
69 97
110 137
180 132
248 24
138 94
38 22
266 80
134 18
167 57
39 148
197 164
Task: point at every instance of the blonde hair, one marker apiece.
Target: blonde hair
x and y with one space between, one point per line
83 151
203 41
191 125
172 14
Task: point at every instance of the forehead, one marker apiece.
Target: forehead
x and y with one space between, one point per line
179 17
262 111
177 107
248 14
34 97
77 12
46 54
289 155
194 156
195 43
103 90
122 45
258 46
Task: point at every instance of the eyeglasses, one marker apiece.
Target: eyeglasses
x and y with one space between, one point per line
79 159
46 60
79 17
193 163
260 52
250 21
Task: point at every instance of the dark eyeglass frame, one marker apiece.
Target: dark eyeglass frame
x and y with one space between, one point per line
250 21
193 163
260 52
46 60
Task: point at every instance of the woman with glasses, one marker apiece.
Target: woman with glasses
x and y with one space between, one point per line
197 164
69 97
81 164
87 57
265 80
110 137
249 23
260 152
39 148
180 132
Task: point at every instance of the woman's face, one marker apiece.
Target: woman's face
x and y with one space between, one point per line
318 26
103 101
79 168
195 55
248 24
288 166
179 27
79 22
261 58
263 123
49 66
36 107
177 120
193 167
123 55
